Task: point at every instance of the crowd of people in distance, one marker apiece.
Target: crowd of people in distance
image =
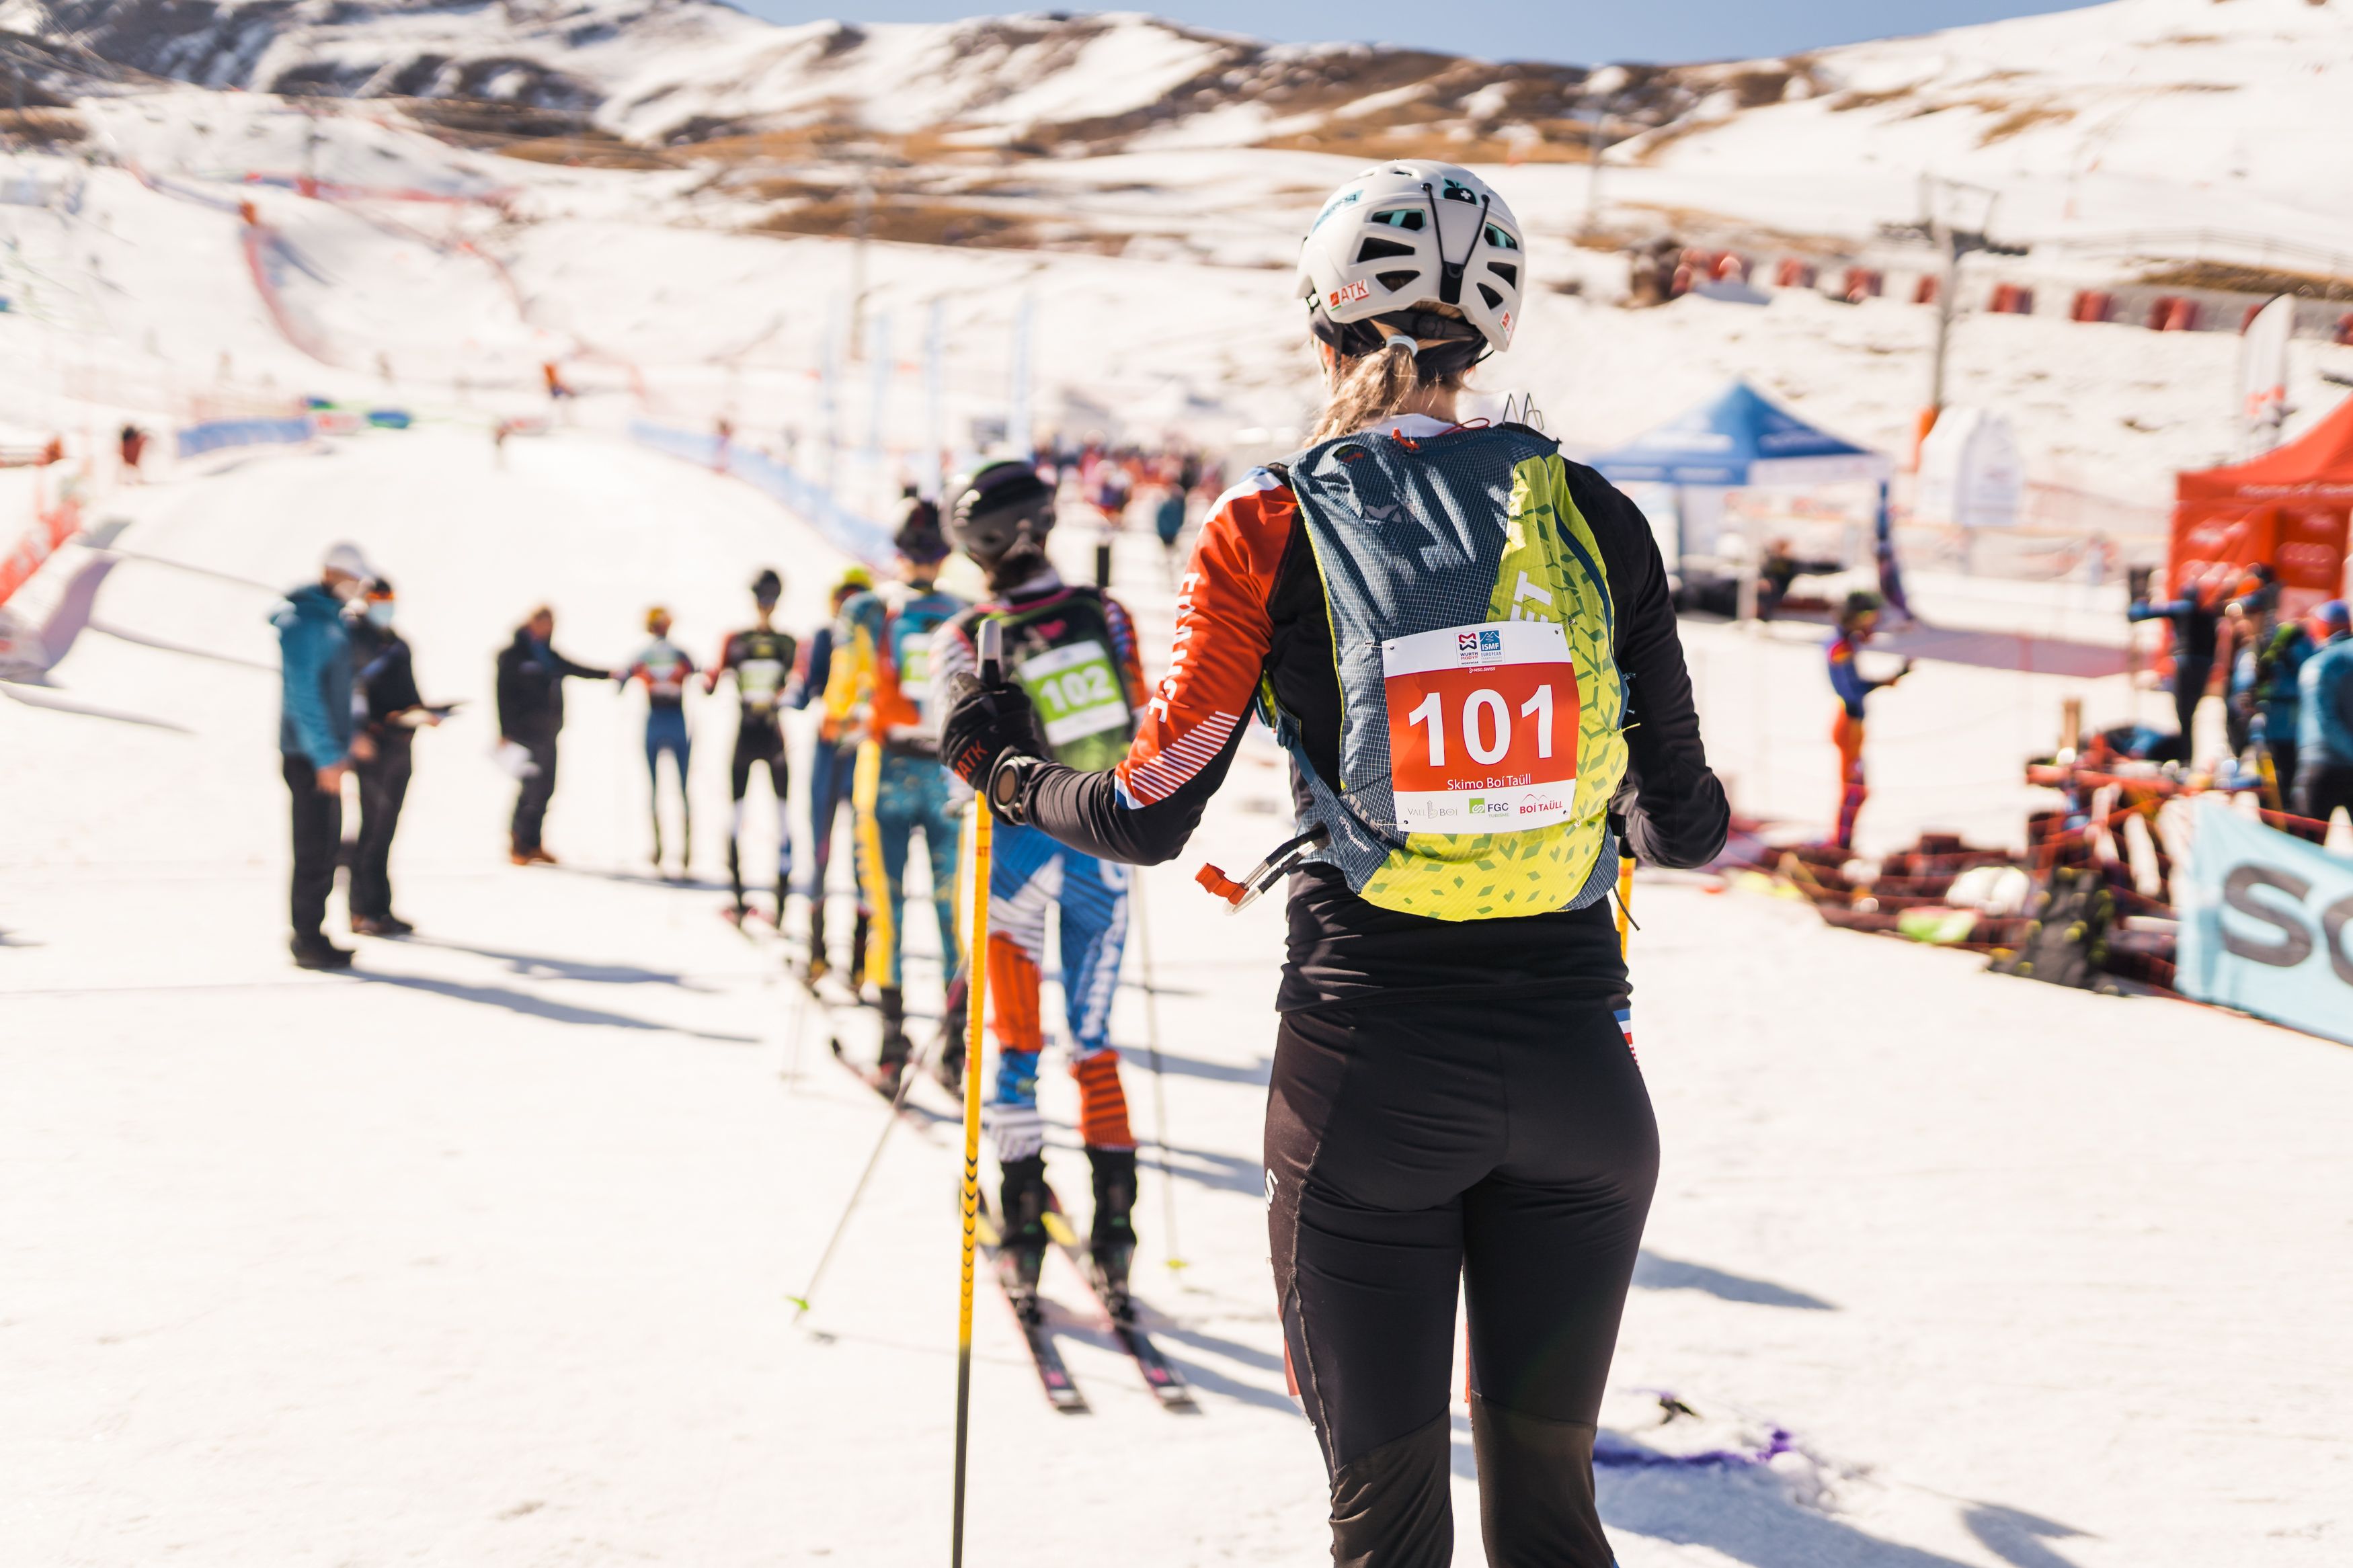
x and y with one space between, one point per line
2287 682
351 706
1174 482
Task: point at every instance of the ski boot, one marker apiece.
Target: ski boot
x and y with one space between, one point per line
891 1066
1022 1243
858 953
1111 1247
949 1068
816 967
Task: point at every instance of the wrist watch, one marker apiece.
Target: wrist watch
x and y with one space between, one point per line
1006 781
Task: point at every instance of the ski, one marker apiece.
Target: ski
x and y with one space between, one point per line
1119 1306
1029 1311
759 930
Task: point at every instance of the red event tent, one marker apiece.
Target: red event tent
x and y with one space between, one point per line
2287 508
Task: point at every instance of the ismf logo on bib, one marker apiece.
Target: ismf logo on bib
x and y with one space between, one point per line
1483 727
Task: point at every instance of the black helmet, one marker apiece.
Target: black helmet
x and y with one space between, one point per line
1000 507
1860 602
767 587
919 537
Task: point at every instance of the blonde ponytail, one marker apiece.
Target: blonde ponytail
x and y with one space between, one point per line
1371 388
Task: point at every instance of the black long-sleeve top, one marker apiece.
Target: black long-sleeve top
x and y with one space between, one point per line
531 687
1253 604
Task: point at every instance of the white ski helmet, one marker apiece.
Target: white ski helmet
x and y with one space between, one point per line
1407 235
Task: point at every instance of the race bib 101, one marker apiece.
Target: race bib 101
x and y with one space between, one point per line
1076 689
1483 727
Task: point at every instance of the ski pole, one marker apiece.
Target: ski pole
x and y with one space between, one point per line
914 1068
1159 1079
1625 902
992 670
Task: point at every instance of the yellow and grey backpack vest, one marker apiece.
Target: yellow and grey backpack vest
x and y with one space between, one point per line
1470 618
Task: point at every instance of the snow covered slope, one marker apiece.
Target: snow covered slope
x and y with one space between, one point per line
2141 114
480 1254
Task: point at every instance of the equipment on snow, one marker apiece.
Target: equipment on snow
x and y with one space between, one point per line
1111 1241
1062 1389
2067 944
1119 1309
1022 1231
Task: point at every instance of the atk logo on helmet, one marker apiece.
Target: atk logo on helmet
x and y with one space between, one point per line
1350 293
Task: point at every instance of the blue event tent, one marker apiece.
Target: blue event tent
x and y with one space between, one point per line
1739 439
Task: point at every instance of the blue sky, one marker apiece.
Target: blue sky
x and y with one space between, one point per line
1576 30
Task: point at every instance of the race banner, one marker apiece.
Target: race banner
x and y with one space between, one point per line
2267 925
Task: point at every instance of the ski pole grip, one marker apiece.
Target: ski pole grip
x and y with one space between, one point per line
992 654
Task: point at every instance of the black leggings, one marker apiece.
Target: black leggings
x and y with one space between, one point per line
1504 1143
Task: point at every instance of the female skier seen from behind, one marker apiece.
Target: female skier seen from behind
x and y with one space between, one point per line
1454 1095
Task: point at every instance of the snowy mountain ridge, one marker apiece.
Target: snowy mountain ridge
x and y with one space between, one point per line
2244 106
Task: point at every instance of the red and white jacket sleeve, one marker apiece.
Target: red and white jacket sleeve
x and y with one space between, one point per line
1191 720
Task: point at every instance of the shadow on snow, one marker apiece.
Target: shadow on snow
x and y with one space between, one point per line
1748 1515
541 1007
1652 1272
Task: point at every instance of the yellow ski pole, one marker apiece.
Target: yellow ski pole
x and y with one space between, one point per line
975 992
1625 901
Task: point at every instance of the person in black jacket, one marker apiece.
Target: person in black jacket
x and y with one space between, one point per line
531 713
1454 1103
2195 618
389 712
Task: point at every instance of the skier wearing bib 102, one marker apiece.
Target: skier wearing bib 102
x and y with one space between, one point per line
1467 645
663 666
759 659
885 664
1073 654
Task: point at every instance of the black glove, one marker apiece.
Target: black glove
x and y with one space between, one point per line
985 723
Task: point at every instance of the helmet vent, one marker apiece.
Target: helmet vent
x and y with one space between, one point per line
1393 282
1401 218
1500 240
1377 249
1494 300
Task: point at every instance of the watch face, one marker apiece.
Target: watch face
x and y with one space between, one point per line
1005 786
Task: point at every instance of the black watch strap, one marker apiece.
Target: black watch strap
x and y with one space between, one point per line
1005 785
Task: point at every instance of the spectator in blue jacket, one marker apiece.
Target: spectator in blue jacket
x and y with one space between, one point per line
2324 768
314 739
